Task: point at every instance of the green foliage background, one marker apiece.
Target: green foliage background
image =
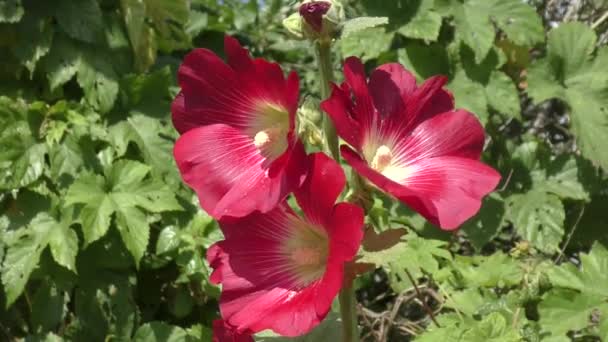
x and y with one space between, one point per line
100 240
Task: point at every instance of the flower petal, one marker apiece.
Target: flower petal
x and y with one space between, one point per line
390 86
215 92
258 291
345 231
338 107
428 100
228 173
445 190
321 188
223 332
457 134
210 94
450 188
354 74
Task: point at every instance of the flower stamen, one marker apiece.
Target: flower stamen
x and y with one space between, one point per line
382 158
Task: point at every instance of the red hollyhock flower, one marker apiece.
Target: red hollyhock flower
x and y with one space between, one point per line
280 270
238 149
411 143
222 332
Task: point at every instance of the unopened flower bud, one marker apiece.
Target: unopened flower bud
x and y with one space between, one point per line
321 20
313 13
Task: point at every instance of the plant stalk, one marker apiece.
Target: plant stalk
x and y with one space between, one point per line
326 73
348 313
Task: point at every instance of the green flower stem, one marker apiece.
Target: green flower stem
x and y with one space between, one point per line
350 332
326 72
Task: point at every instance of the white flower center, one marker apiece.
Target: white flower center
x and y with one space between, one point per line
382 158
271 142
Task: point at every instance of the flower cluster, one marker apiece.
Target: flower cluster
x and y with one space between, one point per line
281 266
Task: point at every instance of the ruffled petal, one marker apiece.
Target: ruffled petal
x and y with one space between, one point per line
223 332
259 289
210 94
338 107
457 134
238 57
428 100
445 190
323 185
228 172
390 86
354 74
450 188
235 94
345 231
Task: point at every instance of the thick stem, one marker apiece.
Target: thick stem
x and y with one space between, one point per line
350 332
326 73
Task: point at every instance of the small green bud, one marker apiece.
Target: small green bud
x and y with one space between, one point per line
293 25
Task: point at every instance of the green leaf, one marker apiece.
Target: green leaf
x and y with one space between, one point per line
23 255
98 80
424 60
415 255
149 94
473 21
49 302
469 95
35 35
492 328
473 27
134 230
564 178
361 23
144 132
168 240
590 122
95 216
169 18
484 226
424 23
63 242
26 168
81 20
543 83
141 35
11 11
538 217
104 304
123 191
22 156
366 44
569 48
569 72
518 20
590 279
502 95
160 332
66 158
61 64
562 311
497 270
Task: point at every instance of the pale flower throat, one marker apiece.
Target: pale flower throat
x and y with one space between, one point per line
383 161
382 158
269 130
